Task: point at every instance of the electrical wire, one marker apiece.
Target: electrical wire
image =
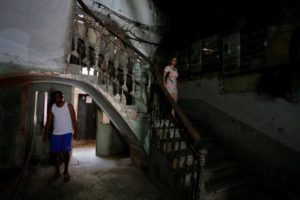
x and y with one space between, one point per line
108 12
136 38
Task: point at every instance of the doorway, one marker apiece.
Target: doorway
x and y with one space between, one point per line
86 117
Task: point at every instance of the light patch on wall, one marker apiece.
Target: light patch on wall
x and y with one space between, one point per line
104 118
40 115
45 108
35 108
84 70
91 72
88 99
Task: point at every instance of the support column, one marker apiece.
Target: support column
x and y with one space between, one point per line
125 72
108 140
97 49
133 79
116 75
104 63
104 135
140 96
105 66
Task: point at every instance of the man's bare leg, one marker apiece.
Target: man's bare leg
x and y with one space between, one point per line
56 156
66 156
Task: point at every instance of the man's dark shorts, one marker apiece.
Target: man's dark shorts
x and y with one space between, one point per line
61 143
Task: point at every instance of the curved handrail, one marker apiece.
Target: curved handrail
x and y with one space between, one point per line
187 125
101 101
172 135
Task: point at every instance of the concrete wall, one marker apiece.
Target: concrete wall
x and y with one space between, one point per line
108 140
13 133
36 33
258 128
140 127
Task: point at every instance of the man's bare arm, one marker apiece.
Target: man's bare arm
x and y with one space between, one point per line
73 119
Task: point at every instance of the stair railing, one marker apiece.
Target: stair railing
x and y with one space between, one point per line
130 76
178 141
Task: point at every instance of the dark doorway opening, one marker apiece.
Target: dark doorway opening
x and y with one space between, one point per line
86 117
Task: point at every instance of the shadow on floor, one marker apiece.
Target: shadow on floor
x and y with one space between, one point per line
92 177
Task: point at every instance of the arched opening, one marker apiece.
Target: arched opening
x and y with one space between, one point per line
97 135
32 94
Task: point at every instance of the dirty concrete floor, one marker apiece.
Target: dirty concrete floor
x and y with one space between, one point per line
93 178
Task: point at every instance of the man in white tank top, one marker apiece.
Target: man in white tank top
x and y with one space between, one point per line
62 116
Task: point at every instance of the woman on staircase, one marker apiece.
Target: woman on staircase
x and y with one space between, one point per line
170 78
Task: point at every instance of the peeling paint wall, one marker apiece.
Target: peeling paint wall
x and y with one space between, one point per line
36 33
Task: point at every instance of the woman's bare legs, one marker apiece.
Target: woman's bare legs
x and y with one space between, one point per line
174 96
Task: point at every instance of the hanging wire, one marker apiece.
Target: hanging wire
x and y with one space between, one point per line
107 11
136 38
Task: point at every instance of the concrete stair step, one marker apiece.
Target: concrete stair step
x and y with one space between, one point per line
160 123
199 126
211 167
171 133
173 147
207 140
185 162
215 154
173 137
259 192
230 187
176 132
166 123
220 169
208 143
291 190
215 151
177 149
227 179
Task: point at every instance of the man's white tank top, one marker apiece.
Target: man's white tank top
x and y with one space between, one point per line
62 119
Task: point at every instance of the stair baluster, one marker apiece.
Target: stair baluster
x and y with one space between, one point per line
200 177
174 136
